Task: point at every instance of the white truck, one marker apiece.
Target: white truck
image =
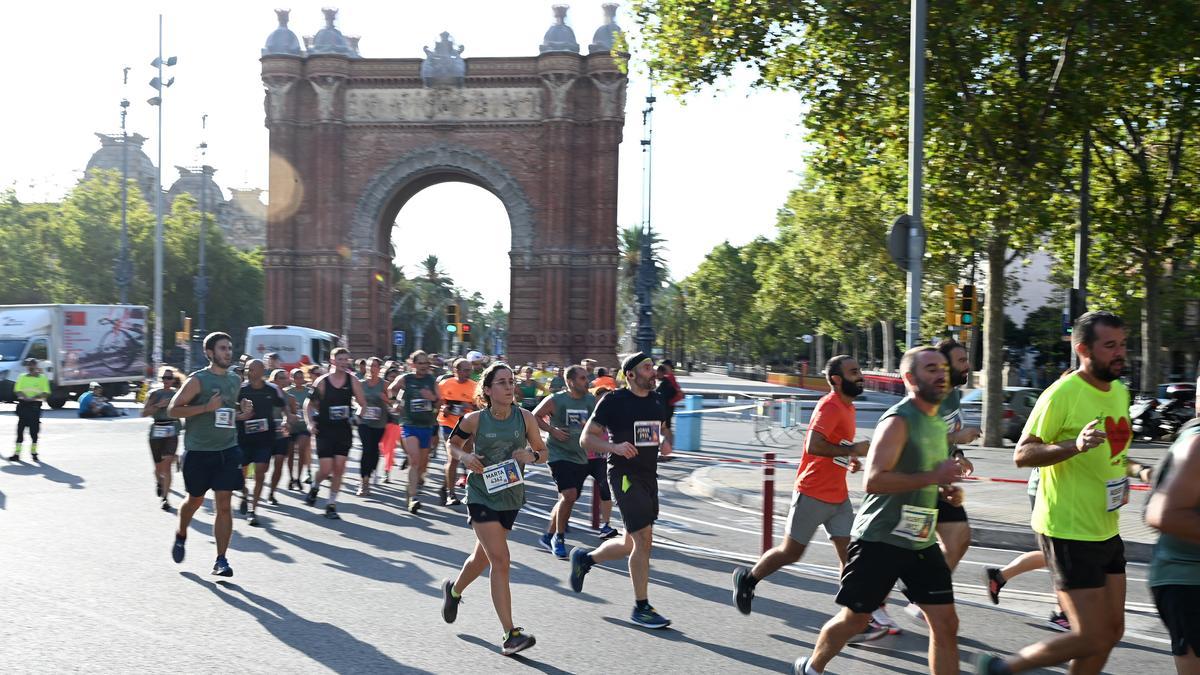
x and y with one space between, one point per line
75 345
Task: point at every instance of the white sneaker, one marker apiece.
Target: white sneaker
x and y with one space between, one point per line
882 618
873 631
913 610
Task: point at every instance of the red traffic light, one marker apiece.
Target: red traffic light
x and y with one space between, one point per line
466 328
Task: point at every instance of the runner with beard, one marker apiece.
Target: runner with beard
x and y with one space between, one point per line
1078 436
820 497
212 460
893 534
633 418
256 435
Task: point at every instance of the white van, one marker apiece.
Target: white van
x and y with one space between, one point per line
296 345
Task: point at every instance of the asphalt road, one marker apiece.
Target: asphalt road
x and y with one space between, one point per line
91 585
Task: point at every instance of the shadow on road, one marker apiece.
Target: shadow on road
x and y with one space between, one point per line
732 653
322 642
47 471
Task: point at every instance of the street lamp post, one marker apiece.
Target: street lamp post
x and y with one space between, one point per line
158 85
124 271
916 155
201 283
645 276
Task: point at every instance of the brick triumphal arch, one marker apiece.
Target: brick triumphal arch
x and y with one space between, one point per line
352 139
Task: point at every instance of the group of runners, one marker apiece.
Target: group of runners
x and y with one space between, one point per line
911 526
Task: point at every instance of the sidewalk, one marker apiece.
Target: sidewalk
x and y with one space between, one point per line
999 512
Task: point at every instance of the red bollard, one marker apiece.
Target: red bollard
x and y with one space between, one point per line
595 505
768 499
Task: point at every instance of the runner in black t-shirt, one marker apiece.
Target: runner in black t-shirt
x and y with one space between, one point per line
633 418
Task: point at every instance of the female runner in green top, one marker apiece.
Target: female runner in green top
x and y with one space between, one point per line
485 439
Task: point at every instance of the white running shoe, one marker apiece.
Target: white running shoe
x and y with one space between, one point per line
882 618
913 610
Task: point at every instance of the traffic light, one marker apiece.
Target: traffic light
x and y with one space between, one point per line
452 318
951 294
967 315
464 330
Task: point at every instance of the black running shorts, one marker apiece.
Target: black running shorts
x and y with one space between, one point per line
637 497
872 568
569 475
479 513
216 470
1076 564
329 445
1179 608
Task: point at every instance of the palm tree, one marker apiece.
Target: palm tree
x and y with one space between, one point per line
629 242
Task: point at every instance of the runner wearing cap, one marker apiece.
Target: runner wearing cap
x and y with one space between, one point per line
633 418
820 497
458 398
504 437
477 361
31 388
562 416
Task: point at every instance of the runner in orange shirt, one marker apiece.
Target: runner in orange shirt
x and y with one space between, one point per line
458 396
820 496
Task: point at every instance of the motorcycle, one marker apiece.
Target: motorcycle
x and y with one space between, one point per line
1147 423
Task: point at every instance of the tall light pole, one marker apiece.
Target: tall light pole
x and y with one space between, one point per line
916 156
124 271
160 86
201 283
645 275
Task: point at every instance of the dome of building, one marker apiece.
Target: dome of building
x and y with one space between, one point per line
560 37
282 40
198 183
606 35
138 166
329 40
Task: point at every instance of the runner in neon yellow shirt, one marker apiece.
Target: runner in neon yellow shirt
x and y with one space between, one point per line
1078 436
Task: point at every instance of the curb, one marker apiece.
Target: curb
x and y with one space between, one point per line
988 534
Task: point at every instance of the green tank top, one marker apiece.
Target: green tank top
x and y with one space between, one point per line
907 519
374 396
418 412
529 394
571 414
202 433
300 395
495 441
1175 562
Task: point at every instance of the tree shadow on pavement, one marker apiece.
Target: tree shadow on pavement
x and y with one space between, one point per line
47 471
515 658
322 642
732 653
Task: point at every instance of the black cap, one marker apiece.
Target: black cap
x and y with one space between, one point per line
634 361
29 362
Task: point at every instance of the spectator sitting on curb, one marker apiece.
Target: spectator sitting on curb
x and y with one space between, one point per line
93 404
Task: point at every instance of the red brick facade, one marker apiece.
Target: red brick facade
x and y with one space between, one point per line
351 140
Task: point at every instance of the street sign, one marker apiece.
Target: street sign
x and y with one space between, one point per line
398 338
897 242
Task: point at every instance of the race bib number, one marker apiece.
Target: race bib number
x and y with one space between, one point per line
422 405
339 412
1117 491
371 413
223 418
162 431
576 419
257 426
647 433
502 476
916 523
456 409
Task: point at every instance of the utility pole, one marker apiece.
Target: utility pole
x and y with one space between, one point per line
157 101
646 276
124 271
1077 302
201 282
916 155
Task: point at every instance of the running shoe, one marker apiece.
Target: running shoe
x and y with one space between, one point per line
580 565
743 589
1059 621
311 499
453 501
13 458
560 548
449 602
914 610
404 464
272 500
990 664
648 618
800 665
995 581
516 640
547 541
35 457
252 521
873 631
414 506
443 495
331 512
221 568
882 618
166 505
607 531
177 550
308 479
